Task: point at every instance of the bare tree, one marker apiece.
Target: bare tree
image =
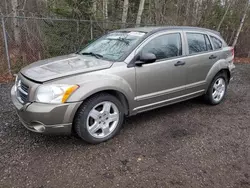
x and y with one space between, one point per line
241 24
105 9
157 11
139 14
105 12
194 12
94 7
198 11
125 12
187 12
6 7
16 27
224 16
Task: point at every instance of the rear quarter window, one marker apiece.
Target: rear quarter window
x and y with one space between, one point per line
217 43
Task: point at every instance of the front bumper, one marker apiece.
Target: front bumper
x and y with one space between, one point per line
46 118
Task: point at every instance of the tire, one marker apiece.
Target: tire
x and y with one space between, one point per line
219 79
99 118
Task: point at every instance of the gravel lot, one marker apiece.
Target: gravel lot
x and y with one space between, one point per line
186 145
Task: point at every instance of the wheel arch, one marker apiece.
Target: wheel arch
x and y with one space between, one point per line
220 66
118 94
222 71
226 72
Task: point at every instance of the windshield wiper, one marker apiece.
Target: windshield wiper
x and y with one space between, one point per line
98 56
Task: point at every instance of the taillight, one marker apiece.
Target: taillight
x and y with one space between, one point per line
232 51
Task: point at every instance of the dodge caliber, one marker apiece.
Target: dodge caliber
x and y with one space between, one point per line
123 73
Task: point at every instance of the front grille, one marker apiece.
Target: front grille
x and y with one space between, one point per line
22 92
24 87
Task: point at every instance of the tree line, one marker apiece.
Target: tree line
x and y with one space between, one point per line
229 17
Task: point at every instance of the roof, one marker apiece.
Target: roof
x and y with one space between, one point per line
160 28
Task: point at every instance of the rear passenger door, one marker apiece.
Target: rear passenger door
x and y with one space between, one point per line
200 59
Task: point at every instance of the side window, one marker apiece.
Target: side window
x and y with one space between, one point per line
197 43
216 42
208 43
164 46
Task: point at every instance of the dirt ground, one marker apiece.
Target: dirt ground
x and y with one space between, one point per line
190 144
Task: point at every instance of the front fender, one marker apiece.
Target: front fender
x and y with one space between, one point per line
102 82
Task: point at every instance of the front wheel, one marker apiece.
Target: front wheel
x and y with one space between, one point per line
99 118
217 89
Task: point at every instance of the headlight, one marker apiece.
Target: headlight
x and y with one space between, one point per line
54 93
16 82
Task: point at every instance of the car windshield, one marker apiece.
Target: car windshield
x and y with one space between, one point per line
113 45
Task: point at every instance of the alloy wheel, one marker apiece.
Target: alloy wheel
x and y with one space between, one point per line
102 119
219 89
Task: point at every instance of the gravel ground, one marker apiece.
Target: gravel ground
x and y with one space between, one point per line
189 144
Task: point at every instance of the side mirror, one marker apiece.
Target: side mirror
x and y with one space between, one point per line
146 58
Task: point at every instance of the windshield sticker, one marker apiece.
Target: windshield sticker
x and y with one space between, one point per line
115 37
138 34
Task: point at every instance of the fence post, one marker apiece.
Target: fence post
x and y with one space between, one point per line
6 44
91 29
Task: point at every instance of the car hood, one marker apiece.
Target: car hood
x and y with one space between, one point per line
62 66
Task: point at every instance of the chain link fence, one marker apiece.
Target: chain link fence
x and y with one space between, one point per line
28 39
24 40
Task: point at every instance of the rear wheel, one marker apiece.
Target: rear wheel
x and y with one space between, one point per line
217 89
99 118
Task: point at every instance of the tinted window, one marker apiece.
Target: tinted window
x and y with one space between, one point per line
216 42
208 43
165 46
196 43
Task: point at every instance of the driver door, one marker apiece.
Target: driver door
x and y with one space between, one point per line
164 80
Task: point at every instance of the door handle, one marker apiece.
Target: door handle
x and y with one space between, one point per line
180 63
213 57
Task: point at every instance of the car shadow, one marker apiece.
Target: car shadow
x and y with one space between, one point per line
172 109
129 122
